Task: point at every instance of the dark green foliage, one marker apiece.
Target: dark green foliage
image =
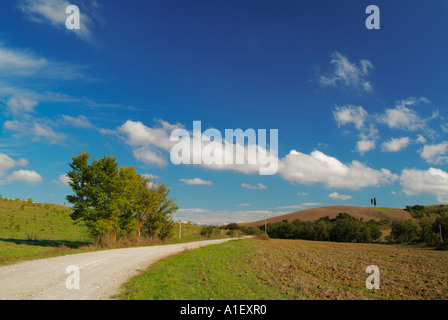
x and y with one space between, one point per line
343 228
407 231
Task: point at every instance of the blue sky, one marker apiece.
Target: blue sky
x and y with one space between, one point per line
360 113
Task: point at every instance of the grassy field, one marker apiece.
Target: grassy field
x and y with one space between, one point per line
34 230
293 269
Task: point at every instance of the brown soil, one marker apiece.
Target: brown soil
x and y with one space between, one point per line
364 213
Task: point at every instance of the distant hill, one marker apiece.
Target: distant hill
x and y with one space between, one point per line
366 213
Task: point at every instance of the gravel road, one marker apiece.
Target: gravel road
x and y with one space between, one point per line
100 273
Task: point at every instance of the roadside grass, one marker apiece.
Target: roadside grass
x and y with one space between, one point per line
293 269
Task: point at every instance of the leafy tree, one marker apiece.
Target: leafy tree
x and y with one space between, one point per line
96 202
159 223
112 201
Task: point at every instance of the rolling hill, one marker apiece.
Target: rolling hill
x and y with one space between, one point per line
366 213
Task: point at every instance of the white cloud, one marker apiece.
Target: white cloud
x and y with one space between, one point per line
80 121
347 73
320 168
303 194
258 186
19 105
337 196
53 12
364 146
421 139
432 181
196 182
396 144
435 154
350 114
404 118
24 176
62 180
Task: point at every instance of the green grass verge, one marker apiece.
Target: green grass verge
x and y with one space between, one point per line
219 272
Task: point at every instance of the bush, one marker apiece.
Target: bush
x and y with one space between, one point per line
207 231
407 231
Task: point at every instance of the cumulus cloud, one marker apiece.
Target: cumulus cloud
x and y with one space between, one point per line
436 153
432 181
337 196
349 114
258 186
24 176
396 144
150 144
196 182
347 74
363 146
318 167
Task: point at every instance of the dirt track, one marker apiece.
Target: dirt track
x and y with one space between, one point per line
100 273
